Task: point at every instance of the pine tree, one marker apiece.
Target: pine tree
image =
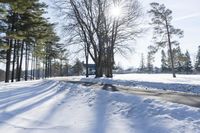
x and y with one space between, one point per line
78 67
164 32
3 45
150 60
179 59
188 63
197 62
142 64
164 66
27 35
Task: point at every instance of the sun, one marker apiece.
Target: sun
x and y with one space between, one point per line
116 11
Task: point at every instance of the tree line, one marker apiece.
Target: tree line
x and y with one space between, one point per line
28 42
26 37
182 62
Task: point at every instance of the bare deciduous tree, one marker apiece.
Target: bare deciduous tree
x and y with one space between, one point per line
103 26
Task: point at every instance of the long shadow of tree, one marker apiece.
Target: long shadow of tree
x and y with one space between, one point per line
156 85
39 93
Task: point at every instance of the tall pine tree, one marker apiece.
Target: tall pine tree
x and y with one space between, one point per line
150 60
164 31
164 67
197 62
142 64
188 64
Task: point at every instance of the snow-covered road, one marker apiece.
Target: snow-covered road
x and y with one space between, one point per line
52 106
189 99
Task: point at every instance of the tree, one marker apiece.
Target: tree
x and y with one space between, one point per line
197 62
150 60
164 66
164 32
78 67
179 59
142 64
26 33
188 63
3 43
103 34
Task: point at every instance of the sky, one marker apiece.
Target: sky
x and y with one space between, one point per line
186 16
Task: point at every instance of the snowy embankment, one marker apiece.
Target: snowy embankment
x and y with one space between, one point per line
183 83
49 106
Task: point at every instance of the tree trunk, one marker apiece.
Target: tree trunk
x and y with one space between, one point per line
32 67
61 70
86 58
17 54
37 69
50 69
26 64
8 61
99 70
34 61
170 50
43 69
13 64
21 60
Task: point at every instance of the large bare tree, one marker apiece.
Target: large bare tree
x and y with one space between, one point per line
103 26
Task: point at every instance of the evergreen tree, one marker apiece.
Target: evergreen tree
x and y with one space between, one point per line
78 67
27 34
169 63
164 32
179 59
142 64
197 62
188 63
3 45
164 66
150 60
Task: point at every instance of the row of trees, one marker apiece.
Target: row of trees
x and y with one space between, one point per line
67 69
101 27
148 67
182 62
26 37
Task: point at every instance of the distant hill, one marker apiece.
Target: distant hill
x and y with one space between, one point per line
2 75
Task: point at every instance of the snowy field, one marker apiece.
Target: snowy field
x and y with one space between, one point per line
54 106
183 83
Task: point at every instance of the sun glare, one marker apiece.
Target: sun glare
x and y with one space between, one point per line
116 11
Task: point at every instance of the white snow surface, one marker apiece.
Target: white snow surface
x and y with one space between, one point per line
182 83
54 106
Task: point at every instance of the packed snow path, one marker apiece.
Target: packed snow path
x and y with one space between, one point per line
176 97
49 106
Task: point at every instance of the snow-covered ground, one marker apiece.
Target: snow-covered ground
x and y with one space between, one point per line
53 106
183 83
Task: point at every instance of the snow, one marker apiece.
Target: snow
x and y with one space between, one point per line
55 106
183 83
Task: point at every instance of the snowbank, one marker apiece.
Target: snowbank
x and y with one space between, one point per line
51 106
